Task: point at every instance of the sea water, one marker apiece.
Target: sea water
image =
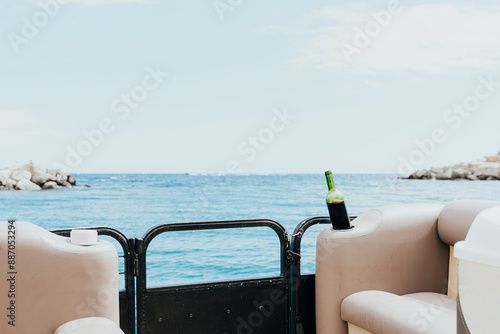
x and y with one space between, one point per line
133 203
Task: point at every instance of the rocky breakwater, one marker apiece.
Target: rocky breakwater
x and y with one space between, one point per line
31 177
488 170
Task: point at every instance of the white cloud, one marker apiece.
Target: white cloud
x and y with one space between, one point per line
426 38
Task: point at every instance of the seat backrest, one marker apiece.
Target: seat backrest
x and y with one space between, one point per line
457 217
51 281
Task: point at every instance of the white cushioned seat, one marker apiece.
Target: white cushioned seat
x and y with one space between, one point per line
385 313
55 281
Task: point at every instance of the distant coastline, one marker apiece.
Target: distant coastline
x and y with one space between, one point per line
33 178
487 170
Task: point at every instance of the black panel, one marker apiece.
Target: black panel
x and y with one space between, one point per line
124 308
244 307
307 316
241 307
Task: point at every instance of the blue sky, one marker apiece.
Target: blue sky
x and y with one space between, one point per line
248 86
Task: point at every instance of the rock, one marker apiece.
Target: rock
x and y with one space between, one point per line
50 185
491 178
6 182
65 184
28 167
25 184
446 175
3 180
477 170
472 177
437 170
440 176
72 180
6 172
55 172
19 174
60 178
484 173
495 158
418 174
41 178
427 175
459 173
31 177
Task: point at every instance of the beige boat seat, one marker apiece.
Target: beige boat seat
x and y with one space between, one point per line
391 274
54 286
384 312
91 325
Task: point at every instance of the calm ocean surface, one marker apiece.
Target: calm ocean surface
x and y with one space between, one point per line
133 203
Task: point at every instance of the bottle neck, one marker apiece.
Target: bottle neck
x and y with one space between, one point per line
329 181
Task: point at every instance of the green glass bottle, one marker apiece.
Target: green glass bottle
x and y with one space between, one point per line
336 205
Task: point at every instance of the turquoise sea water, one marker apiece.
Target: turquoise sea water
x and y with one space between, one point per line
133 203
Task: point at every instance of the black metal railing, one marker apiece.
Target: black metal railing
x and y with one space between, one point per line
282 304
213 307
